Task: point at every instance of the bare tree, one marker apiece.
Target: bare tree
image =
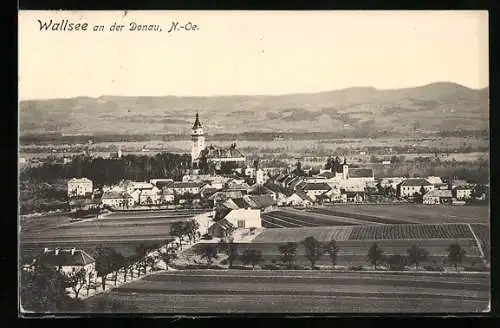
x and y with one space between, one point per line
375 255
77 280
288 252
313 250
332 249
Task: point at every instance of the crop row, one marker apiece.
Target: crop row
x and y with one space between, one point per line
411 231
363 217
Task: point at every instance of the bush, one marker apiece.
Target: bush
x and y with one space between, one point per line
271 267
241 267
298 267
478 268
433 268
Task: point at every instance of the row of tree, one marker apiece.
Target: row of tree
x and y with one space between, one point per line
314 250
110 171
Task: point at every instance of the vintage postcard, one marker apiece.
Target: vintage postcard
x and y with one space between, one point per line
198 162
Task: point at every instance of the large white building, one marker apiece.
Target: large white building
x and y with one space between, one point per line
80 187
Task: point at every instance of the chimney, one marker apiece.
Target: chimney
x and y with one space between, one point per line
73 251
57 251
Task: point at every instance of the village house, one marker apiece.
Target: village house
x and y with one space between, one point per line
334 195
413 186
160 182
80 187
261 202
434 180
298 198
244 218
116 199
278 194
131 186
434 197
221 228
391 182
150 197
259 189
315 189
181 188
84 204
462 192
68 260
354 196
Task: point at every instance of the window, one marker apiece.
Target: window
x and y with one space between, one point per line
241 223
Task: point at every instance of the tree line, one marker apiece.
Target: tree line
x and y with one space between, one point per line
314 250
110 171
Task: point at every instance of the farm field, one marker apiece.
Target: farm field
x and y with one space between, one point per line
124 246
120 232
293 219
370 232
409 213
39 223
296 292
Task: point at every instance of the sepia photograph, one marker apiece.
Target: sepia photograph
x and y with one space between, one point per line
244 162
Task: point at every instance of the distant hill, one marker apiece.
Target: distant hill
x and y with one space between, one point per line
434 107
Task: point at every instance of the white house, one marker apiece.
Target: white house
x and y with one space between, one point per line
150 196
434 180
315 189
68 260
244 218
80 187
437 197
182 188
412 187
117 199
298 198
462 192
335 195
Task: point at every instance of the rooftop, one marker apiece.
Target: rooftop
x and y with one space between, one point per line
260 201
75 257
75 180
439 193
415 182
360 173
188 184
316 186
111 194
197 123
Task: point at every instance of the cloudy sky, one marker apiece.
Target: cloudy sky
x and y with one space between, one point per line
250 53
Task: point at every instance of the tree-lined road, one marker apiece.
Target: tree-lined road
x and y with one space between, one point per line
229 291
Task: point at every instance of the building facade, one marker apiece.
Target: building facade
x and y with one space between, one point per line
80 187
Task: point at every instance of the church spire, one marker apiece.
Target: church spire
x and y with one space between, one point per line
197 123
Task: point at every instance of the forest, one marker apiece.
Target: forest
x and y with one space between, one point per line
110 171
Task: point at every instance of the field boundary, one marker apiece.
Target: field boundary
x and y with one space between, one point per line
478 243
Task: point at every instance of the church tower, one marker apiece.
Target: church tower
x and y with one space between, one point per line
345 170
197 140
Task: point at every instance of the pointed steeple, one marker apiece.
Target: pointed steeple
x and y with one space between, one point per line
197 123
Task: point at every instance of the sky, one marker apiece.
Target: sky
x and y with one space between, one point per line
250 52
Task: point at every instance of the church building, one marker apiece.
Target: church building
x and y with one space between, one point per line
213 154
